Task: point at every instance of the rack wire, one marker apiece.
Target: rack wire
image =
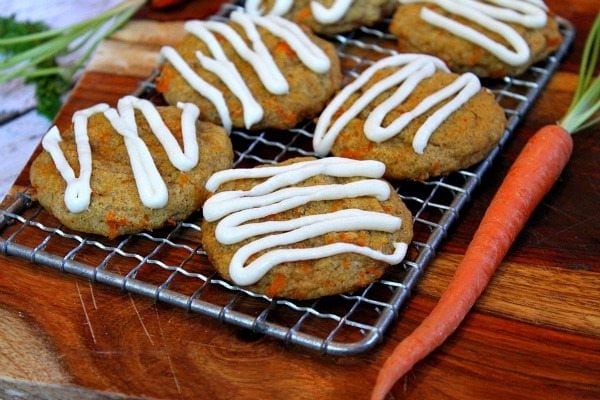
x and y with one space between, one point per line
170 265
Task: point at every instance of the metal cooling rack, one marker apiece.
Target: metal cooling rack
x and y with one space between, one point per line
170 266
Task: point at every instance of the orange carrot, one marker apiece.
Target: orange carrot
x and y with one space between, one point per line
529 179
532 175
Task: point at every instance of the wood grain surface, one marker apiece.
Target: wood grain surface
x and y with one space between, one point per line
535 333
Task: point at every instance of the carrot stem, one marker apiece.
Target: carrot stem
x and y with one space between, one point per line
589 60
533 173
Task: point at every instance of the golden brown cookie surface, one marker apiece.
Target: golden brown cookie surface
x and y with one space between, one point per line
463 137
415 35
308 91
115 207
315 276
360 13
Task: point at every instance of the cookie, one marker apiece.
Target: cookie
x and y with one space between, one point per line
251 72
304 228
411 113
326 17
123 171
489 38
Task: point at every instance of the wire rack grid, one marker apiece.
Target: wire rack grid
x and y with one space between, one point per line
170 265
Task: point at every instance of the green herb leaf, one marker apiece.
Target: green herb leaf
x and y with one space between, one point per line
584 108
11 28
48 92
29 50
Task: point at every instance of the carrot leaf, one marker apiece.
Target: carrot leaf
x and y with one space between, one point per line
31 51
584 108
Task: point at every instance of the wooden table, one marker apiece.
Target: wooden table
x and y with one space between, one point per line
534 334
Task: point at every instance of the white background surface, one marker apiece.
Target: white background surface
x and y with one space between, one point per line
20 137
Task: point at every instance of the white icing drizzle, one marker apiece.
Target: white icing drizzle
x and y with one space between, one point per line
221 66
248 274
280 7
530 13
151 187
277 194
538 3
412 69
258 56
78 190
200 85
297 172
311 55
330 15
322 14
463 88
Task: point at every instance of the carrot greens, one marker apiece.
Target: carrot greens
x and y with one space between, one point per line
583 111
31 51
